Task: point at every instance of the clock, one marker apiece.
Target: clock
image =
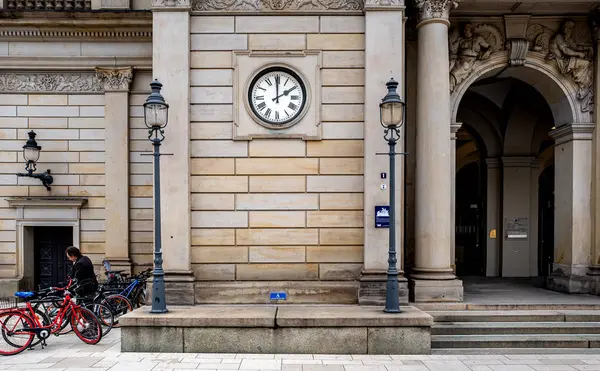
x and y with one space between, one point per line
277 97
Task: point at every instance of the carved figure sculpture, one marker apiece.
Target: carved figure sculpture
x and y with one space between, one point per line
571 59
476 44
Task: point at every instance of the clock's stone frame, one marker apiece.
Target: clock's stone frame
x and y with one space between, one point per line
307 64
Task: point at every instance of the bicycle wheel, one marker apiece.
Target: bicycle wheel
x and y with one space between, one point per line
14 331
86 325
119 305
104 314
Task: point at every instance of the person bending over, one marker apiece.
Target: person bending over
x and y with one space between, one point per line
83 272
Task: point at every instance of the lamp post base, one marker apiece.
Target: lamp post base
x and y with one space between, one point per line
372 288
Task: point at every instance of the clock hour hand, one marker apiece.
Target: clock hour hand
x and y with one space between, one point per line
287 92
277 88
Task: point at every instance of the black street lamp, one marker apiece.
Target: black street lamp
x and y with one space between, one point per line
156 118
31 153
391 112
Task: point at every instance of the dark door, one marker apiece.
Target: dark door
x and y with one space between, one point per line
469 253
51 264
546 222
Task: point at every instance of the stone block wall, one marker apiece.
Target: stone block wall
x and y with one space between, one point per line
140 177
277 209
70 130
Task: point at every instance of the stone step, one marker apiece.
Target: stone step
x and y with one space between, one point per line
516 341
503 306
516 316
497 328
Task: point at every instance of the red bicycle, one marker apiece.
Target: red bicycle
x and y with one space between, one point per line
20 325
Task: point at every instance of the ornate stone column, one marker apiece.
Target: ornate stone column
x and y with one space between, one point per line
433 278
573 211
171 66
116 165
384 58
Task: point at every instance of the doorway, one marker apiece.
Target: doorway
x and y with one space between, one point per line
470 252
51 265
546 222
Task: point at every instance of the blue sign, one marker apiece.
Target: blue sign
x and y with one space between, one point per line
278 296
382 216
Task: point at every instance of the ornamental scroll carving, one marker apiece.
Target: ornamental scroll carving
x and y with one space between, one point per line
44 82
383 3
574 60
277 5
470 46
432 9
115 79
170 3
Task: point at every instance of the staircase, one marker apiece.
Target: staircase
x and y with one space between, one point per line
511 326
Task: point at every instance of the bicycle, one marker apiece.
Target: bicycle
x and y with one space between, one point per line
84 323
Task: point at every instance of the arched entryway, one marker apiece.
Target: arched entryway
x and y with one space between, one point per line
504 169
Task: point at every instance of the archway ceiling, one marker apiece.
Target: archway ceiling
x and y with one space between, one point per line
535 7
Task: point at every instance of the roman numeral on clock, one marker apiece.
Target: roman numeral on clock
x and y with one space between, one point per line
262 106
295 97
268 112
260 97
269 82
276 115
292 106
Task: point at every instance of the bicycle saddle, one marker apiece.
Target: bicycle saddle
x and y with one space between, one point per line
24 294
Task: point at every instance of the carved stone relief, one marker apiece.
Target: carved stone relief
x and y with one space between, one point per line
383 3
475 44
170 3
572 58
115 79
432 9
48 82
278 5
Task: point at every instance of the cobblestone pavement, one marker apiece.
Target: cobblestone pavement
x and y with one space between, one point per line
68 353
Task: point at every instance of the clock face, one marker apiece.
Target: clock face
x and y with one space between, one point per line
277 96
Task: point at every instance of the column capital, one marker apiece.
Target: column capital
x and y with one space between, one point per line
397 5
493 163
115 79
517 161
179 5
570 132
434 10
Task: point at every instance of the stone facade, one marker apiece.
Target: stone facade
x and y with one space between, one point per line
247 208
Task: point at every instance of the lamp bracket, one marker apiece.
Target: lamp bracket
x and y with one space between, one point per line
45 177
397 153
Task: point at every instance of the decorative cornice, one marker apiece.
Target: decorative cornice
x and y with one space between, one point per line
50 82
434 9
171 4
115 79
45 34
384 5
279 5
50 5
69 202
518 49
493 162
517 161
569 132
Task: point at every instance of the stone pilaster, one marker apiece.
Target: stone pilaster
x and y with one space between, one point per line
453 129
493 217
116 106
573 211
433 278
171 66
384 59
595 260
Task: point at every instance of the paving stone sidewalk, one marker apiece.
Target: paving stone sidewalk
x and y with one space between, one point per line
67 353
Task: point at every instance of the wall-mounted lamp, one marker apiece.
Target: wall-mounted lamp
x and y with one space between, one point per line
31 153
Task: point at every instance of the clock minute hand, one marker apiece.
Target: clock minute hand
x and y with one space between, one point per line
287 92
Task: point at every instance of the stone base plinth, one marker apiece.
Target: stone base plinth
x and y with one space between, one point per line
311 329
8 286
573 284
298 292
179 289
372 289
423 291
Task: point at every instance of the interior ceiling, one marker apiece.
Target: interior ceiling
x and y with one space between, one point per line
534 7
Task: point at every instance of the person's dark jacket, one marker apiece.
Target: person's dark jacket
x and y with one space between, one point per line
83 272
